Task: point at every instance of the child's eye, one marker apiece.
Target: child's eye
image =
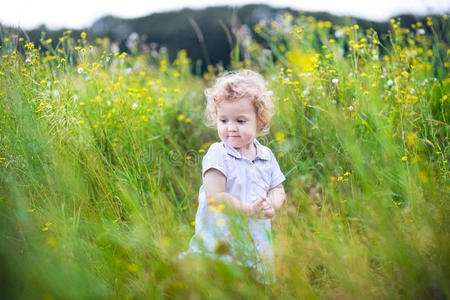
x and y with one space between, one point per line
241 121
223 121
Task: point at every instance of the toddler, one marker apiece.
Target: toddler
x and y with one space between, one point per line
239 175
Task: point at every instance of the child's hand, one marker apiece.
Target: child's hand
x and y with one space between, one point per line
254 209
261 209
267 209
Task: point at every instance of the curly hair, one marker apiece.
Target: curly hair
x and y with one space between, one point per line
233 86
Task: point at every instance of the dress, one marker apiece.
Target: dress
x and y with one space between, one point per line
247 180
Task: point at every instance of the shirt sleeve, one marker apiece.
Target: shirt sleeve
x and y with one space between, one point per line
277 176
214 159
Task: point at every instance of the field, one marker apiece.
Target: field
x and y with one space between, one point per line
100 165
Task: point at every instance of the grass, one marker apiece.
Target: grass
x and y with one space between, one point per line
100 162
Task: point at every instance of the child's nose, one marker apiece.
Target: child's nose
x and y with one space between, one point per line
232 126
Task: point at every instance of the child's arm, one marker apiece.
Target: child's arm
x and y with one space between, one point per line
276 196
215 187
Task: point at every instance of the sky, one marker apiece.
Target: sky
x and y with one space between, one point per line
80 14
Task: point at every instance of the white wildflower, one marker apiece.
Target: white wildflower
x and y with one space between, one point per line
134 105
389 82
350 108
335 80
339 33
132 41
421 31
80 70
412 91
108 103
55 93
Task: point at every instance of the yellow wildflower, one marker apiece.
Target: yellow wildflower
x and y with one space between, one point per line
133 268
279 136
51 241
221 222
411 139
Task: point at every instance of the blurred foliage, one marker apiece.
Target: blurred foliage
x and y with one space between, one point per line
218 30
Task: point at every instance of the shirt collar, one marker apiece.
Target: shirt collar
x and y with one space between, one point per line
261 153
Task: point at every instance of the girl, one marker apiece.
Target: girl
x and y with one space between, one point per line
239 175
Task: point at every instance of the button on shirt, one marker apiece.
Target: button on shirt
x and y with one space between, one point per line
246 180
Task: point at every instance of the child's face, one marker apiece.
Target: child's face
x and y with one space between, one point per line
237 124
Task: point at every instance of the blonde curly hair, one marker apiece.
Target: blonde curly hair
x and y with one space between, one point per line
233 86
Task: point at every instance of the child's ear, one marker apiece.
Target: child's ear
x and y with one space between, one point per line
260 125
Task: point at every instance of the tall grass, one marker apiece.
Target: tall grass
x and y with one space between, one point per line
100 166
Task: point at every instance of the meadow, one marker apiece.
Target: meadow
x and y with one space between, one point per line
100 165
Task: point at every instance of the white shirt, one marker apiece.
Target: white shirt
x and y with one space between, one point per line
246 180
